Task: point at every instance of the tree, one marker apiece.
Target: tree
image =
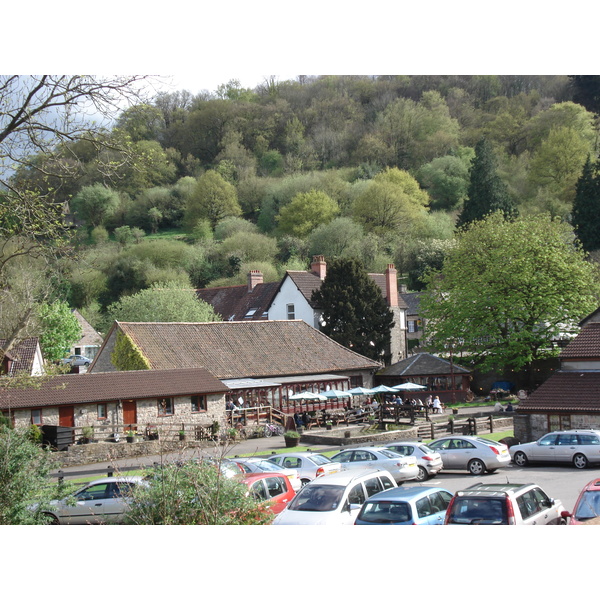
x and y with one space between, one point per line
354 312
586 207
392 202
305 212
94 204
213 199
166 302
24 470
508 289
195 494
446 179
487 193
60 329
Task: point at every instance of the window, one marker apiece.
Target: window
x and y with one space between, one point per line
291 312
372 486
36 416
198 404
101 411
412 327
424 507
357 494
275 486
165 407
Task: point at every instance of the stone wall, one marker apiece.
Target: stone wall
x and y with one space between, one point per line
531 427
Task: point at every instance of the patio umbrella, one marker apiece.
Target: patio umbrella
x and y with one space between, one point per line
408 386
337 394
307 396
360 391
382 389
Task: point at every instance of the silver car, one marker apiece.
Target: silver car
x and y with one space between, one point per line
476 455
309 465
578 447
77 360
429 461
100 501
261 465
402 468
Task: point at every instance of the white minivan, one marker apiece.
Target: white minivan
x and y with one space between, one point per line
335 499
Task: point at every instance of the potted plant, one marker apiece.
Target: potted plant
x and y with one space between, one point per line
87 435
130 436
181 435
328 425
292 438
455 411
232 433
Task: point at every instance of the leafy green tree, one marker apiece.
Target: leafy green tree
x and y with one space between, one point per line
392 202
487 193
428 256
24 469
94 204
60 329
213 199
508 289
446 179
305 212
163 301
354 312
141 122
195 494
586 207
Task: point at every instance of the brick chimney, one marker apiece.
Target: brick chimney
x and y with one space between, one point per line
319 266
391 285
254 278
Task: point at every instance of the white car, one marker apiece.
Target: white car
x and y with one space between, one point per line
100 501
429 461
309 465
476 455
261 465
335 499
402 468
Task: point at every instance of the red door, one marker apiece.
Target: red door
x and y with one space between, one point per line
66 416
129 412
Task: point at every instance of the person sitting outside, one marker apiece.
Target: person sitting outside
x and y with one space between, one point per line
437 405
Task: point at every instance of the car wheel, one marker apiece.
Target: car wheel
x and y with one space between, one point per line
423 474
580 461
476 467
52 519
520 459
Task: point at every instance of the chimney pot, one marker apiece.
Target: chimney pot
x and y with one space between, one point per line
254 278
319 266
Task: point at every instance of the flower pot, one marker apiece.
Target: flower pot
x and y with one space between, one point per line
455 411
328 427
291 442
130 440
182 437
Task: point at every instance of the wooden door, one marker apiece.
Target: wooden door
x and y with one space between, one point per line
66 416
129 412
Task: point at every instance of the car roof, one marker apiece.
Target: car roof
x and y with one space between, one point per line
406 493
130 479
593 485
347 477
252 477
493 489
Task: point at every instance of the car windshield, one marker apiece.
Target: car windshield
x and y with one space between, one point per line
385 512
478 511
317 498
319 459
425 449
589 507
390 453
488 442
265 465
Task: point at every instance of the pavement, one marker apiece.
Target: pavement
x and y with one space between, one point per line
253 446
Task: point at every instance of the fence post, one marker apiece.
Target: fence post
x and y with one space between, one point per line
491 418
110 472
451 427
432 430
61 477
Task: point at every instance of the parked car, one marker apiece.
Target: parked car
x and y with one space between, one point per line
406 506
504 504
274 488
429 461
335 499
100 501
229 468
76 360
588 504
476 455
579 447
309 465
402 468
261 465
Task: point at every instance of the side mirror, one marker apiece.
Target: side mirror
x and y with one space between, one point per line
565 514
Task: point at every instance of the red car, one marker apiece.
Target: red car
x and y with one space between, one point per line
274 488
588 504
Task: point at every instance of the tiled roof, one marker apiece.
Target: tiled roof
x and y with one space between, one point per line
421 364
89 336
307 282
232 349
565 391
235 302
23 353
118 385
412 301
586 344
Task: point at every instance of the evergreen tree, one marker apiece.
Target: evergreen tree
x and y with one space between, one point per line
354 311
487 193
586 207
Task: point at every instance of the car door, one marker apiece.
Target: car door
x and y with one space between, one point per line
566 447
442 447
545 448
363 459
87 505
439 502
424 513
460 453
356 498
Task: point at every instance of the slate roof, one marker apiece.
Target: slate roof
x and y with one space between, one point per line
235 302
421 364
234 349
565 391
23 355
412 301
117 385
585 345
